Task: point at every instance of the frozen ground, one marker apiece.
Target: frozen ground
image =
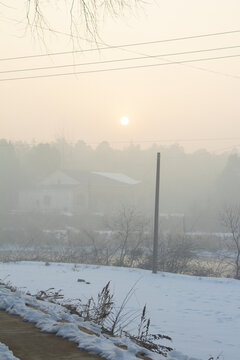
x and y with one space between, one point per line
202 315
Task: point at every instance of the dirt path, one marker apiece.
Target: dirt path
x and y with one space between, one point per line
29 343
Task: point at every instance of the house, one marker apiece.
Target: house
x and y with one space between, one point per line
80 192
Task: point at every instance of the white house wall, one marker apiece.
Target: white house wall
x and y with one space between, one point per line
46 200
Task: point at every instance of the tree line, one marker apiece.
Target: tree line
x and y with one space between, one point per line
197 183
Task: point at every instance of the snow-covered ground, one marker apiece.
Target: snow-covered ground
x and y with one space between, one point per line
202 315
5 353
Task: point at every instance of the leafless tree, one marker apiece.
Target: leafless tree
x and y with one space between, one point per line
176 253
81 16
123 242
230 218
129 233
102 248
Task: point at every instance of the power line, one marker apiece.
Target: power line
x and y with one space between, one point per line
120 60
140 53
215 72
169 140
132 51
124 68
186 65
121 46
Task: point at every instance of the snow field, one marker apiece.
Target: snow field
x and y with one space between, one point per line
202 315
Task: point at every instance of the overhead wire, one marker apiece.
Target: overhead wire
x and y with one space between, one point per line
119 60
118 47
121 46
177 141
124 68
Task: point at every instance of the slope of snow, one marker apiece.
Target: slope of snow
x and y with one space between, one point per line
5 353
56 319
202 315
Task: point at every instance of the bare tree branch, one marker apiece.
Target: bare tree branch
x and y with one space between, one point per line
230 218
82 16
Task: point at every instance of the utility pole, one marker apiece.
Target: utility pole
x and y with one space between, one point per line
156 217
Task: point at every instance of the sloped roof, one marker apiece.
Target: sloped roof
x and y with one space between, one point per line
118 177
59 178
76 177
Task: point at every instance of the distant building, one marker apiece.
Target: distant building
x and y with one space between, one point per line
80 192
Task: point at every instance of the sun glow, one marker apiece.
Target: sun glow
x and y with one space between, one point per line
124 120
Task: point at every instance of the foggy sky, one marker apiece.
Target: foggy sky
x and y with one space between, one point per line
167 103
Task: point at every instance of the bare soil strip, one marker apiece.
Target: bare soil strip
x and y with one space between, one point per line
29 343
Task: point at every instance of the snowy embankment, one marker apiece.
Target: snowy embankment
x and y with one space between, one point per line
202 315
56 319
6 354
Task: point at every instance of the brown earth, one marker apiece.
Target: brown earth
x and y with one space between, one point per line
29 343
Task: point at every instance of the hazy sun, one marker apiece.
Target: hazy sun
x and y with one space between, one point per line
124 120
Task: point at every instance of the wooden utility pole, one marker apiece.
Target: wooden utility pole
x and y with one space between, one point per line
156 217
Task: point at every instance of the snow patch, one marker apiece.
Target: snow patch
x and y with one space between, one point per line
6 354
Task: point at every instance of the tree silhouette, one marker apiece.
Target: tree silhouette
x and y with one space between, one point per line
81 16
10 176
